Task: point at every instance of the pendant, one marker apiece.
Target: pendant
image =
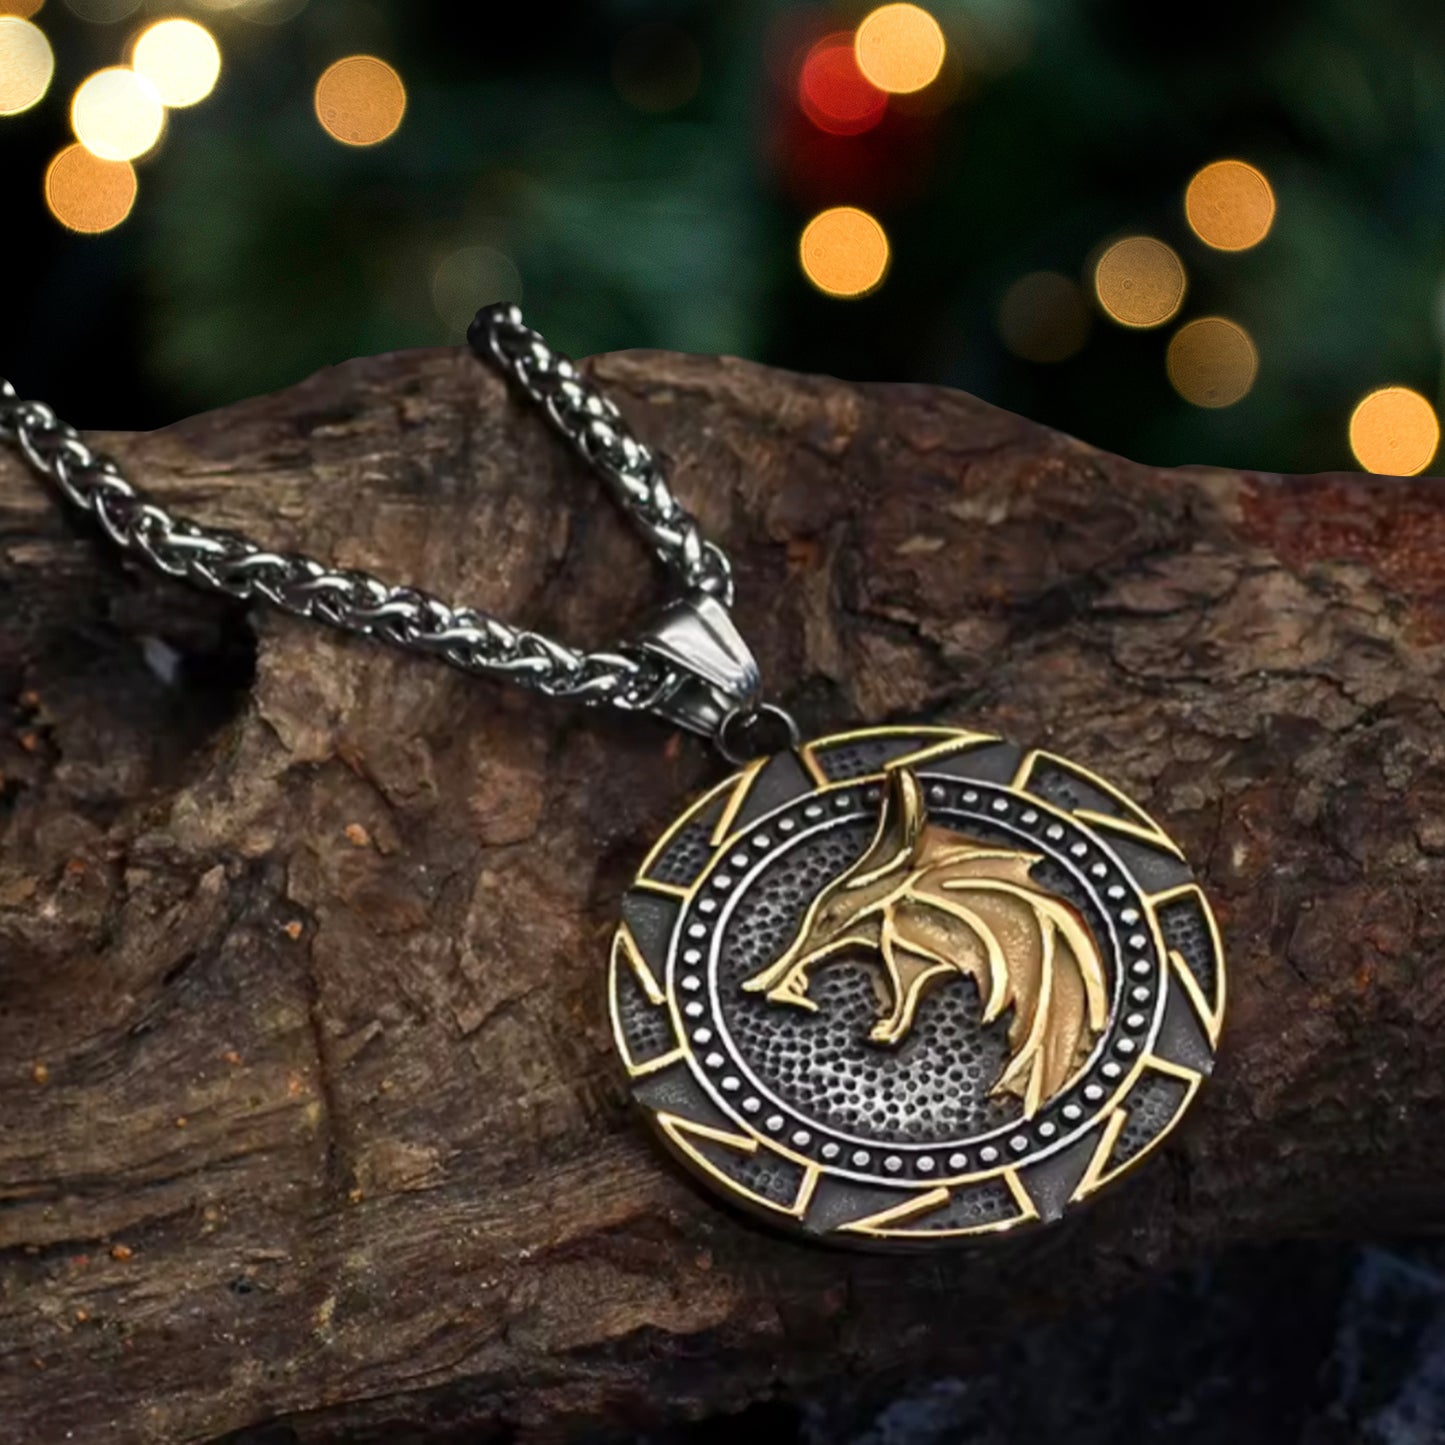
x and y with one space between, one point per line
905 986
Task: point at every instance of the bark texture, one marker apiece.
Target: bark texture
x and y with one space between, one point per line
308 1111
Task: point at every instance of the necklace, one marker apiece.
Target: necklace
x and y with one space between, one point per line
898 986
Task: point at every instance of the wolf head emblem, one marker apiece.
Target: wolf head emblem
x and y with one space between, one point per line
924 905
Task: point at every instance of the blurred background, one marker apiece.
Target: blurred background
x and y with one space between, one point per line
1213 234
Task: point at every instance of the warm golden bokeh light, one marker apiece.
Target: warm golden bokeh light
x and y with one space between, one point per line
360 100
1140 282
844 252
26 64
1230 206
117 115
471 277
1394 431
180 58
23 8
1044 317
900 48
87 194
1212 362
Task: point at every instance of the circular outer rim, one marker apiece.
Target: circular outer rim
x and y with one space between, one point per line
833 1204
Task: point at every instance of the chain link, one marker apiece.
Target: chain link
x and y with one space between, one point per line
407 617
596 431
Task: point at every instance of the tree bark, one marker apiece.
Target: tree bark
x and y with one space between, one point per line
309 1106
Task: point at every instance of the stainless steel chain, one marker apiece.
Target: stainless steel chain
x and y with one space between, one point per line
689 665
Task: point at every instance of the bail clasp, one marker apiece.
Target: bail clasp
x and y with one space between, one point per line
714 674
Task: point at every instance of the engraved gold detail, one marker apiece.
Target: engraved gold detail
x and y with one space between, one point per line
660 848
1098 1174
656 885
625 954
1211 1012
626 947
1135 824
736 798
683 1132
1094 1175
887 1223
814 769
878 1224
946 741
928 904
906 1221
944 748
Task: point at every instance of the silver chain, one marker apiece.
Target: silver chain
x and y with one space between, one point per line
634 676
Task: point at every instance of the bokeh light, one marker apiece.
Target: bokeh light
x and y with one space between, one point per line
1230 205
471 277
180 58
26 64
844 252
1394 431
117 115
85 193
1140 282
103 12
1212 362
1044 317
656 68
360 100
900 48
833 93
23 8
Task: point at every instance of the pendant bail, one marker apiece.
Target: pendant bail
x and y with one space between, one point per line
714 674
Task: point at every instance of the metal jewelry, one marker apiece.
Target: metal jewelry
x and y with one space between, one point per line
900 986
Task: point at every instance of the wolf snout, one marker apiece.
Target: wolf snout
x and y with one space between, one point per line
790 989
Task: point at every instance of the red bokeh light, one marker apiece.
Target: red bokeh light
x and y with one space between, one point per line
833 137
833 93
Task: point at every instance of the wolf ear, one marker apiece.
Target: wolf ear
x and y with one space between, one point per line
900 825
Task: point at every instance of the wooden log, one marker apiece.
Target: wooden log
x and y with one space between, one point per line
309 1107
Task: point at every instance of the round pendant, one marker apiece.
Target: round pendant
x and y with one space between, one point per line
912 985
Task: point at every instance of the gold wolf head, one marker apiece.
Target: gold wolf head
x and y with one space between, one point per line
925 904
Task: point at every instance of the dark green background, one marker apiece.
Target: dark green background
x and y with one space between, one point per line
261 250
